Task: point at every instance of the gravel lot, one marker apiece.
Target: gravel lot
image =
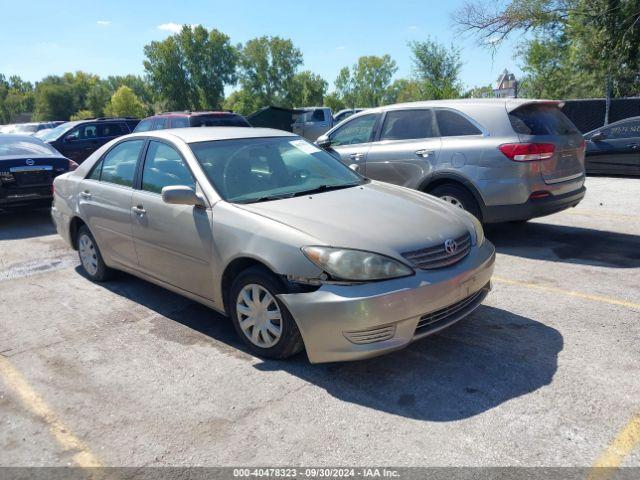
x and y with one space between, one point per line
546 372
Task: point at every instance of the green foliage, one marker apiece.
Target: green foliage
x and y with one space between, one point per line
366 83
307 89
55 100
267 74
436 70
82 115
125 103
16 97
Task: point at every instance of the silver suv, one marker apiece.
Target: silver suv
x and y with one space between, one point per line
500 159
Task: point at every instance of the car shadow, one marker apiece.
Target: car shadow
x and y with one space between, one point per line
19 224
483 361
544 241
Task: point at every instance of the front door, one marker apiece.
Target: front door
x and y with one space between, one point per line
105 200
353 139
173 242
618 152
407 148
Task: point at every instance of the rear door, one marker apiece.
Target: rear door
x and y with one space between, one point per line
174 243
545 123
407 147
105 197
618 152
353 139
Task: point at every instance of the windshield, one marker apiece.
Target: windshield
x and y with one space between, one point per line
257 169
22 146
55 133
27 128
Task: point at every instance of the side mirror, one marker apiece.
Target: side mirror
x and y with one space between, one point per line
323 142
598 137
70 138
182 195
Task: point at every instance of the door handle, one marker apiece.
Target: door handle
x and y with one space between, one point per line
86 194
424 153
356 156
633 146
139 210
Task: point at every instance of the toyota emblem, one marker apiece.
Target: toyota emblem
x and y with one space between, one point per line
450 246
30 161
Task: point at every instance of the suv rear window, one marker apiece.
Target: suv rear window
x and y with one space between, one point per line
541 119
218 121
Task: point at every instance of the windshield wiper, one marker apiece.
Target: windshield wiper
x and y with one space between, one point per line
325 188
266 198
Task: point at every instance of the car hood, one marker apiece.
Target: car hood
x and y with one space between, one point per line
377 217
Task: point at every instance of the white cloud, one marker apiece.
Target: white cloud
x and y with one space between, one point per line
174 27
104 23
341 47
412 27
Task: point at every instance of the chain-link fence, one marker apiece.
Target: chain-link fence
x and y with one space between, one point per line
588 114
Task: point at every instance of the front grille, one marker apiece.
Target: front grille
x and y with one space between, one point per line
452 313
437 257
372 335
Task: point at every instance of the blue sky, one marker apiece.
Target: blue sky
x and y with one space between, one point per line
107 38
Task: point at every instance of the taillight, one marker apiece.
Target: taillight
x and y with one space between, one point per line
527 152
581 149
72 165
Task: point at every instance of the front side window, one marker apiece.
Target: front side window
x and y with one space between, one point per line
358 130
119 164
407 125
452 124
259 169
164 167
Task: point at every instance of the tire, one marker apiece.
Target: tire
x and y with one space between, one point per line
264 343
459 196
90 257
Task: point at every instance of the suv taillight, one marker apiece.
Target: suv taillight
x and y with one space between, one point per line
72 165
527 152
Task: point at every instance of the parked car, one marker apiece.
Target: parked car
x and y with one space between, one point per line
344 114
500 159
191 119
31 128
7 128
312 122
614 148
27 169
77 140
259 224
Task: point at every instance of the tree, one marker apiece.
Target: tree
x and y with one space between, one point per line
82 115
16 97
366 83
125 103
267 69
436 69
306 89
190 69
54 101
601 38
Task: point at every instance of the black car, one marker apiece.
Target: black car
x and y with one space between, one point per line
192 119
614 148
78 140
27 169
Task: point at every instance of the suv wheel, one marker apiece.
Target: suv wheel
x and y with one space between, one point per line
90 257
457 196
263 323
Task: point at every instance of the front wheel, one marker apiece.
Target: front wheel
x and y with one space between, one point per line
263 323
458 197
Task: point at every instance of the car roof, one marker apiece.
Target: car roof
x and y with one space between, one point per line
204 134
613 124
509 103
16 137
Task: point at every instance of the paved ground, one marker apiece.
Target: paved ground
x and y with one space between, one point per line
546 372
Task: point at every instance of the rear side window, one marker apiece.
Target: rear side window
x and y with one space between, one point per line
119 164
218 121
541 119
623 130
407 125
112 129
179 122
452 124
144 125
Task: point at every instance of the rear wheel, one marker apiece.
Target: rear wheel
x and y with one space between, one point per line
263 323
457 196
90 257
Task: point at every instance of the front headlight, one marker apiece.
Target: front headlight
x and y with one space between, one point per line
355 265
